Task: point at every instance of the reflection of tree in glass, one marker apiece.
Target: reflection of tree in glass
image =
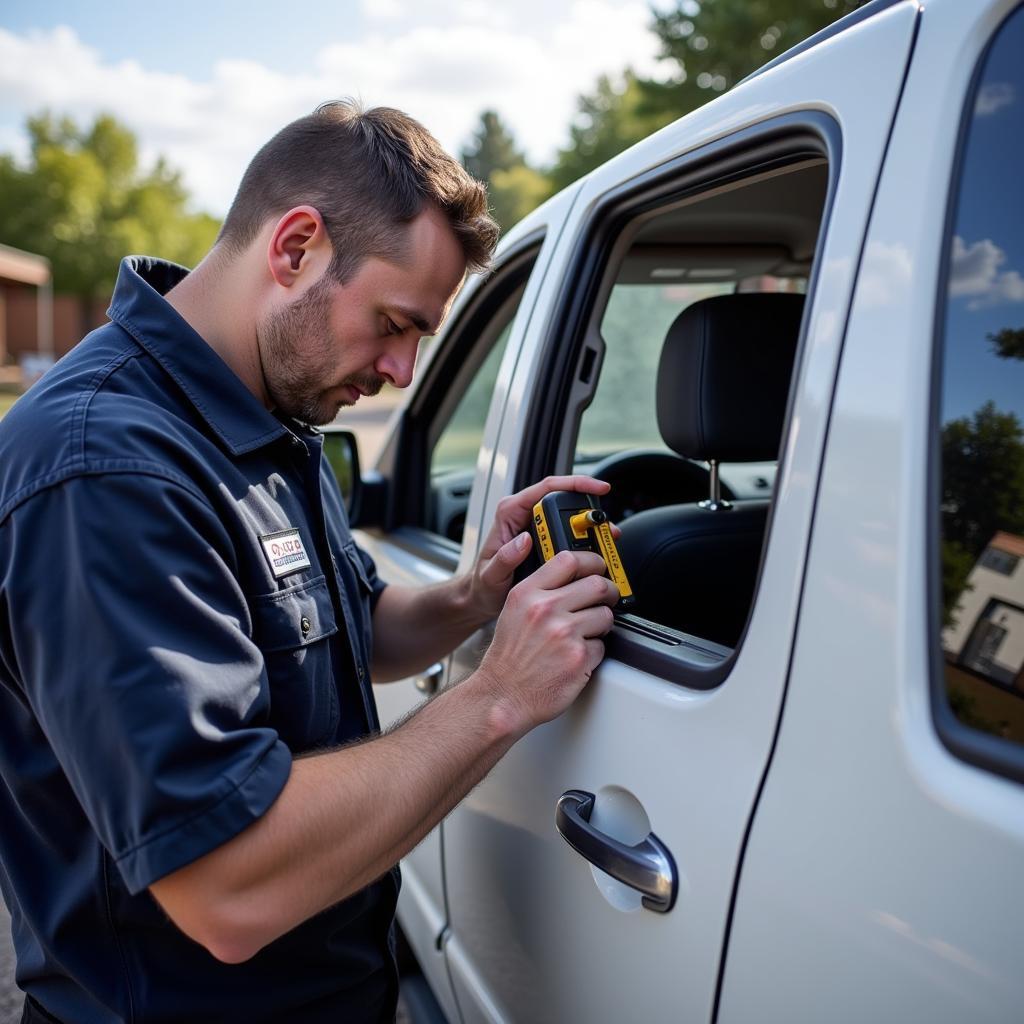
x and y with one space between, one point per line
1008 343
982 491
965 708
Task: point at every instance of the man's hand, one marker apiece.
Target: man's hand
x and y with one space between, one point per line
415 626
507 545
547 641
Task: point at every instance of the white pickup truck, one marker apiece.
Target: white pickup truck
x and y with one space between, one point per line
788 329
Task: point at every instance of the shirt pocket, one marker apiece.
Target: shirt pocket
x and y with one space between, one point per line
363 592
292 628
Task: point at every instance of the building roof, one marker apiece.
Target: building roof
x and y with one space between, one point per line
1011 543
22 267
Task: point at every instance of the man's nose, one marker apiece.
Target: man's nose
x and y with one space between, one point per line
398 363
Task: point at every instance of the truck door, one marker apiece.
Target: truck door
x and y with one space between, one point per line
881 877
747 218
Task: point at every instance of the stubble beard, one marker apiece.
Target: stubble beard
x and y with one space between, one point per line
295 347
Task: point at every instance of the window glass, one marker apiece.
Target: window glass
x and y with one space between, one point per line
982 409
692 561
634 326
459 443
469 382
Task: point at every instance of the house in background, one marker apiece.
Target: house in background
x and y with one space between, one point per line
984 645
988 635
37 326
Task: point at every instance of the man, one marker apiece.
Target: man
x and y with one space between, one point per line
183 612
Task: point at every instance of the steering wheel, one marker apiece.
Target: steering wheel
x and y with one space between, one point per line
650 479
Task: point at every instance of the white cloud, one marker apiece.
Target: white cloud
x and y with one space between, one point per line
993 97
976 275
442 62
384 10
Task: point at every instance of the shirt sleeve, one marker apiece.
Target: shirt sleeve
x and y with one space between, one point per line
133 644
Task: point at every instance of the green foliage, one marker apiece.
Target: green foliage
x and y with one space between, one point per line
717 43
712 44
982 478
492 148
1008 343
517 191
513 188
982 492
609 120
83 202
965 707
956 567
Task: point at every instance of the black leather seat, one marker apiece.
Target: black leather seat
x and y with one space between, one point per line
723 385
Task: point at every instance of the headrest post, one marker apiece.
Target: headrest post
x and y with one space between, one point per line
715 504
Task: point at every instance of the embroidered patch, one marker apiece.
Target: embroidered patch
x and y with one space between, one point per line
285 552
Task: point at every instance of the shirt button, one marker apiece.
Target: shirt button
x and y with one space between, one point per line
304 625
359 670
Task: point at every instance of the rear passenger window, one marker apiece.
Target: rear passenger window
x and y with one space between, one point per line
982 410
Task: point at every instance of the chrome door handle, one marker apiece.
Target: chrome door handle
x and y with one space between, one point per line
430 680
647 867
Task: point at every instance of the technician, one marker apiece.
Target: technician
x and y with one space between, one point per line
199 821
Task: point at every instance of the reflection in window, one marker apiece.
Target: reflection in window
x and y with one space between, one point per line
982 435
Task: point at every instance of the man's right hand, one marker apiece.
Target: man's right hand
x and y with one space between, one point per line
547 640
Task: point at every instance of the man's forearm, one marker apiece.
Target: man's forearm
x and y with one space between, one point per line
416 626
342 820
346 816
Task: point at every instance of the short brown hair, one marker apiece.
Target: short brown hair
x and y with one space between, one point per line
368 173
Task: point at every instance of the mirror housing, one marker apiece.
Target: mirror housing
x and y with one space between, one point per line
364 497
342 454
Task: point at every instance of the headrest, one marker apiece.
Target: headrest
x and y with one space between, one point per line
723 379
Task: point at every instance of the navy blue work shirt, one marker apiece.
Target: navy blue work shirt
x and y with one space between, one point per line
182 610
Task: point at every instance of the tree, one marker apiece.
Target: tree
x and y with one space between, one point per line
492 149
982 491
608 120
517 191
717 43
83 202
513 187
712 45
1008 343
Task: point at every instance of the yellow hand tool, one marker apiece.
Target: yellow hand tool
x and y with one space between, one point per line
570 521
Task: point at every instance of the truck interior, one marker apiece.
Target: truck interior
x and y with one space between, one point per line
697 326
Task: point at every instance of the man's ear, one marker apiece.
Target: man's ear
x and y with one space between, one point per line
299 248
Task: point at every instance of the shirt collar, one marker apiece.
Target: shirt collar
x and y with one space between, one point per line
233 412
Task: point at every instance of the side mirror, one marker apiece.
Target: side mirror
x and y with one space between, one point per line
342 454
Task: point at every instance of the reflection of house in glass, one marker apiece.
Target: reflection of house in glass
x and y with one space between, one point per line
987 636
984 647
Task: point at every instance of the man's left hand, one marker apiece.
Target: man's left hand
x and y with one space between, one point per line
509 541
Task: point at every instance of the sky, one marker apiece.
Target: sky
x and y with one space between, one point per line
986 292
206 83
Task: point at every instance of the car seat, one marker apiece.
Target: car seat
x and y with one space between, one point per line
723 384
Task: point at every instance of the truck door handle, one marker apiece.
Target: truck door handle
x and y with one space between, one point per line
647 867
430 680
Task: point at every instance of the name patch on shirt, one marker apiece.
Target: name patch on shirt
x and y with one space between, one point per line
285 552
